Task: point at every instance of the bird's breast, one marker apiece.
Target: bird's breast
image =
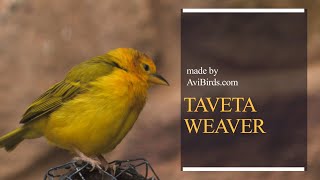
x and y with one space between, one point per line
96 121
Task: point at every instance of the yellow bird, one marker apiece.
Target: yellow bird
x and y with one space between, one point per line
93 108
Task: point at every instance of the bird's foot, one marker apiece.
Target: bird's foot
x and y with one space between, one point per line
94 163
82 157
113 169
110 168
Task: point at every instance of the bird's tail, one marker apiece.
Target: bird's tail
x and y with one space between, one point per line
12 139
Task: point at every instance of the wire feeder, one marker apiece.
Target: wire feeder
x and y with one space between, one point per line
124 170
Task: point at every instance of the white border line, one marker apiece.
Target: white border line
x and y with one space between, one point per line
243 168
243 10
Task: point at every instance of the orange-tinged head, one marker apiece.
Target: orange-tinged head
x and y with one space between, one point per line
137 63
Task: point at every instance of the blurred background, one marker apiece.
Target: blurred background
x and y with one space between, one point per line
41 40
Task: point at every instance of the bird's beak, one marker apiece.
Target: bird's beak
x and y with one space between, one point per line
157 79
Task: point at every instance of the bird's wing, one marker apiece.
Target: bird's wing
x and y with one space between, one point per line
50 100
74 83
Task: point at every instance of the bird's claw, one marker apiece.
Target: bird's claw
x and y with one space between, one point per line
94 163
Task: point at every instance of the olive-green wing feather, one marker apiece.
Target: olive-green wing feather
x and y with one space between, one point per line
50 100
75 83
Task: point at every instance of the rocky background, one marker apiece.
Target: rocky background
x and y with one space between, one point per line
40 40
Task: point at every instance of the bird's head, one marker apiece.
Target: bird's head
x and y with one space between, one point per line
137 63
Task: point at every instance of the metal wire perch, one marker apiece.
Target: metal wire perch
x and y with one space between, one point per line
122 170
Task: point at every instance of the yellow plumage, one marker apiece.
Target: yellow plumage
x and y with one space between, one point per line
101 117
94 107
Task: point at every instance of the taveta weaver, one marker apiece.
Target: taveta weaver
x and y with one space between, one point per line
93 108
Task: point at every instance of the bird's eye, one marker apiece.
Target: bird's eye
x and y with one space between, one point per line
146 67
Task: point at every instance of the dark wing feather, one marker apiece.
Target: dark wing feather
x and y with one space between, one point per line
75 82
50 100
